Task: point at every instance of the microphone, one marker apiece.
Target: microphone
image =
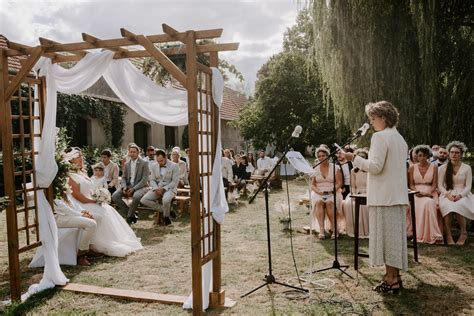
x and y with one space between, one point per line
362 130
296 133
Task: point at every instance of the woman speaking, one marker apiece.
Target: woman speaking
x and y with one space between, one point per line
387 194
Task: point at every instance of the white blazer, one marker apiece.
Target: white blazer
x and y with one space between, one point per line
387 179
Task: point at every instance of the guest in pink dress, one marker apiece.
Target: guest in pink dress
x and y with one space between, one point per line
454 184
358 186
423 177
322 197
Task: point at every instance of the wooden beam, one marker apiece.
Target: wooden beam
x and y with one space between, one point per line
191 87
201 49
169 30
25 69
17 49
127 34
140 296
92 39
49 43
117 42
162 59
9 182
203 68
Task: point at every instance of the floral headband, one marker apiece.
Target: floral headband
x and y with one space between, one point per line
74 153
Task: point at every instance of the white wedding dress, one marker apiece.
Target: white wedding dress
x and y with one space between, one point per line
113 236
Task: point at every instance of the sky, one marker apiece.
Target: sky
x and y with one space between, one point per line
257 25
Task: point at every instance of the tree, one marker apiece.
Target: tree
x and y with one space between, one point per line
416 54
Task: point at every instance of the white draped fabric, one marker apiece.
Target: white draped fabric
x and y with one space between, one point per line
161 105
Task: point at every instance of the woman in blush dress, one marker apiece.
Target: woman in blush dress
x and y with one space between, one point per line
423 177
113 236
322 197
358 186
454 184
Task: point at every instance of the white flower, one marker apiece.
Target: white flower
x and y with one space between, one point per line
101 195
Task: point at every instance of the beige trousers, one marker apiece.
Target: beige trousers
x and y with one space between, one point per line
88 225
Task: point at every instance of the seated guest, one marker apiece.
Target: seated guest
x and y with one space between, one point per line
227 174
434 152
264 163
164 178
423 177
134 184
67 216
442 157
98 179
346 167
412 158
228 155
322 186
454 184
178 149
358 186
111 170
150 156
251 161
183 169
250 168
240 172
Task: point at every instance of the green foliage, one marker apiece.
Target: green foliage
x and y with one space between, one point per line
416 54
109 114
60 184
185 137
152 68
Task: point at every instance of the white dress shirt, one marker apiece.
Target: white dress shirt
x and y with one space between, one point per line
133 171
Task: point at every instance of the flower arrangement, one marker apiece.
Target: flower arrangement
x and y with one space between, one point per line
101 195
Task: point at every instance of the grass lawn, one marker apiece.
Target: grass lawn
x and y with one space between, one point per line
441 283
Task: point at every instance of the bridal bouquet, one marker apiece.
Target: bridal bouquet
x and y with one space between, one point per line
101 195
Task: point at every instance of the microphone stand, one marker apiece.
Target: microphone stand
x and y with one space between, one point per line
336 264
270 278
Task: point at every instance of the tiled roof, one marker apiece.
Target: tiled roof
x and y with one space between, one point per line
14 63
232 103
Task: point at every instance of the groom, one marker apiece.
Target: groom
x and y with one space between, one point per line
134 184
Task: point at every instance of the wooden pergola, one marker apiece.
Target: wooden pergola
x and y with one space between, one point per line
18 118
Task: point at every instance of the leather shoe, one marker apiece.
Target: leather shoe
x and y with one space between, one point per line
94 254
82 261
132 219
173 214
166 221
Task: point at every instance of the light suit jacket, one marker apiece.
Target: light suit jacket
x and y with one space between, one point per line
387 179
141 176
168 181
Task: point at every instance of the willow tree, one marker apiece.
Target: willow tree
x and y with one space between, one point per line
416 54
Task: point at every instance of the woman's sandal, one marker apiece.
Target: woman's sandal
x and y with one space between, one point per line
384 287
321 236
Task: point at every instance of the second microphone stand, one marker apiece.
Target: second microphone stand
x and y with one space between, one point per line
335 263
270 278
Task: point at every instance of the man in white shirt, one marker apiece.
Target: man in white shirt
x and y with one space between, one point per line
134 184
264 163
111 170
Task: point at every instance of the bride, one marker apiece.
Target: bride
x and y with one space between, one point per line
113 236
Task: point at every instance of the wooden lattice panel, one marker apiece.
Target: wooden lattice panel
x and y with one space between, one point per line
25 125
